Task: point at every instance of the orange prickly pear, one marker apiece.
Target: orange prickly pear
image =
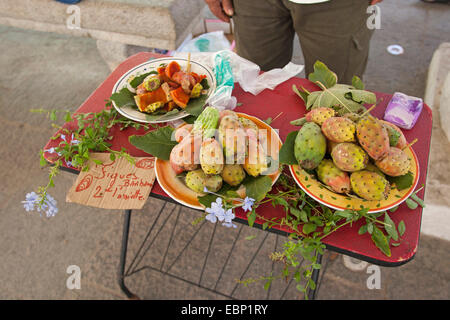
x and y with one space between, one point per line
395 163
339 129
349 157
185 155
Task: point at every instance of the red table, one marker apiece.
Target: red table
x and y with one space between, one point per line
269 104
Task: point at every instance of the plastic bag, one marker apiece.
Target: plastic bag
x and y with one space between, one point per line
207 42
231 68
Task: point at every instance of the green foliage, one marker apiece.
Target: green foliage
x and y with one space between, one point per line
158 143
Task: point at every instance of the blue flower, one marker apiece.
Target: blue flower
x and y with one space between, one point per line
74 141
32 202
229 225
216 211
248 203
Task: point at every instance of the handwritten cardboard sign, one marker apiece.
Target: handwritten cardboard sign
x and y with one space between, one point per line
114 184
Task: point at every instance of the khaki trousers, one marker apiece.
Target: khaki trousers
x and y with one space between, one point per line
333 32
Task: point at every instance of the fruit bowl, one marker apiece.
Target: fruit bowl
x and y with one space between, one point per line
177 189
319 192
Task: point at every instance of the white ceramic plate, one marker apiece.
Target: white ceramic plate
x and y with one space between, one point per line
152 65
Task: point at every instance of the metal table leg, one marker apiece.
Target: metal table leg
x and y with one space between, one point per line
123 256
315 277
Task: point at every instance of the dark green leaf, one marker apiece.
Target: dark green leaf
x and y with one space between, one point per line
362 230
381 241
158 142
390 227
287 149
124 98
190 119
195 106
204 84
258 187
251 218
138 79
402 182
309 227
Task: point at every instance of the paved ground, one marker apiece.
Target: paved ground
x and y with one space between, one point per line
51 71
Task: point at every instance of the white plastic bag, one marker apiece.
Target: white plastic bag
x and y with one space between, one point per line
245 72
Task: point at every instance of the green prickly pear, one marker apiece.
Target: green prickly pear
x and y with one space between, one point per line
211 156
370 185
207 122
310 146
339 129
195 180
395 163
373 137
349 157
213 183
233 174
233 139
332 176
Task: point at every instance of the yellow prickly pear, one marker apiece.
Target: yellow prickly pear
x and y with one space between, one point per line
211 156
370 185
233 174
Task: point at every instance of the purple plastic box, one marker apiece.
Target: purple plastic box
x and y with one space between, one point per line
403 110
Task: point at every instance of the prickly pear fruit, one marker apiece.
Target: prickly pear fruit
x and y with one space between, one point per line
227 112
211 156
331 145
349 157
395 163
233 139
256 161
332 176
396 137
213 183
370 185
319 115
233 174
373 168
182 131
195 180
207 122
352 116
373 137
339 129
248 124
185 155
309 146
